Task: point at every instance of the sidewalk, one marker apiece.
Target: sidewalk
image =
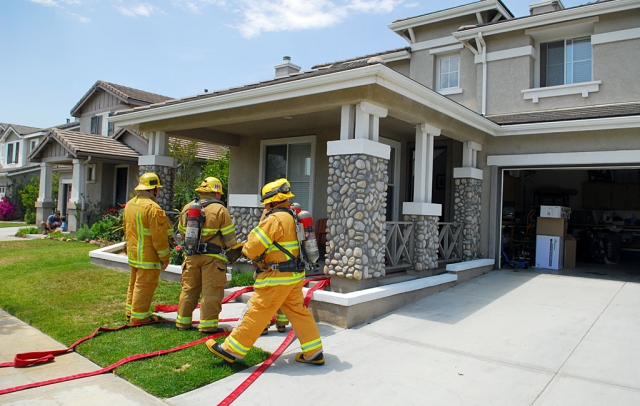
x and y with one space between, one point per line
505 338
9 234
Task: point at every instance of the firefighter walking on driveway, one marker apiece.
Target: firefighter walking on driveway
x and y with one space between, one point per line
208 230
275 247
147 231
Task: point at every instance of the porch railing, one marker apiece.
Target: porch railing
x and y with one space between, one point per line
450 242
399 247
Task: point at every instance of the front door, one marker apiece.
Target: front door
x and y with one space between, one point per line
122 176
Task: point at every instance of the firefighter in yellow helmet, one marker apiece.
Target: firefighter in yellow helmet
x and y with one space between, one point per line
278 283
204 270
147 231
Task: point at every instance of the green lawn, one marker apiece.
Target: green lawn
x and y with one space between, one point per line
5 224
53 286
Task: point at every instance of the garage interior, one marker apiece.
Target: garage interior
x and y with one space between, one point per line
602 233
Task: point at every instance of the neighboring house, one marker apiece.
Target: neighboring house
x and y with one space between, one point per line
412 146
99 164
16 143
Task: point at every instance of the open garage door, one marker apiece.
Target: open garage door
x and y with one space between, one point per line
600 231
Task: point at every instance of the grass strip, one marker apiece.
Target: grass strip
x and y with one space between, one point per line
5 224
53 286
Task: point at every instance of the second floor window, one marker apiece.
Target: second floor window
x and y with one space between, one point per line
565 62
32 145
448 72
13 152
96 124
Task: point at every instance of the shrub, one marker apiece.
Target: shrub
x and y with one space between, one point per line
27 230
241 279
7 209
176 257
109 227
29 195
84 233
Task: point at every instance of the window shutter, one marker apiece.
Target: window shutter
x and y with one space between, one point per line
9 153
17 154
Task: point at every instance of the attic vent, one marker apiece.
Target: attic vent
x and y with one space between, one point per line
545 6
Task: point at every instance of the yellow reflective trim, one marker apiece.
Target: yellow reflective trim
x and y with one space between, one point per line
228 229
145 265
219 256
183 319
262 236
140 236
182 228
237 347
209 323
279 280
209 231
311 345
164 252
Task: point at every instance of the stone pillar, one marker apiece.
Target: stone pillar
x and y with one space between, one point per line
245 211
356 210
77 201
44 203
422 212
425 246
164 166
468 200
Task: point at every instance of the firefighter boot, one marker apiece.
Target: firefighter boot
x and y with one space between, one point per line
217 349
317 359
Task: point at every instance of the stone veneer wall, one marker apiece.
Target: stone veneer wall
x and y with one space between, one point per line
467 208
166 175
356 212
245 219
426 236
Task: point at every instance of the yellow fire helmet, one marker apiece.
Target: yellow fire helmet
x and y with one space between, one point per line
148 181
210 185
277 191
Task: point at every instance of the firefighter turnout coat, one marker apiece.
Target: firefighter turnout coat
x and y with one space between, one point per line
274 289
147 231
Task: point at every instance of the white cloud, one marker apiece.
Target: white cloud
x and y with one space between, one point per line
290 15
195 6
142 9
80 18
411 5
50 3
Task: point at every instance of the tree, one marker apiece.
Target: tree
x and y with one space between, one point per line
218 168
185 180
29 195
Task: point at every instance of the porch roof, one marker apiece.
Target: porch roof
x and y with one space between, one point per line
305 102
79 145
576 113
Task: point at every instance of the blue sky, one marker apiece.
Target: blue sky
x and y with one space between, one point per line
53 51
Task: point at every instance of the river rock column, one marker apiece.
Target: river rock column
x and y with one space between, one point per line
468 200
245 211
467 208
425 245
356 210
158 162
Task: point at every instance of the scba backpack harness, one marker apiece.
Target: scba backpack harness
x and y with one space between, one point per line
193 234
304 261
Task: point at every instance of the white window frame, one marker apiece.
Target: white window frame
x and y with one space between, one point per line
91 170
450 89
565 63
292 140
32 145
15 152
3 190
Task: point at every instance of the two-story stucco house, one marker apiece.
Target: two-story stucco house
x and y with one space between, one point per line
405 151
16 143
99 163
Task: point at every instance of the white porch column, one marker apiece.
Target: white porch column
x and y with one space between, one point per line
75 209
422 212
361 121
468 200
44 203
158 162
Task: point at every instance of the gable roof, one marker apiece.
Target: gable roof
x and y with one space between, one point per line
21 130
80 144
205 150
128 95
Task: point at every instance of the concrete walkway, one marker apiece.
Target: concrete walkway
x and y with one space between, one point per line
505 338
9 234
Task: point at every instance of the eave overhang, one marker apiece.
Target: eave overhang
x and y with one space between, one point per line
555 17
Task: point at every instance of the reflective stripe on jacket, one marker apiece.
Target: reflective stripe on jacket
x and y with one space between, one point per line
147 230
281 228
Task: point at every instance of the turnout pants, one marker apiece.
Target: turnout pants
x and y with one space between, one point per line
142 285
264 303
206 275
